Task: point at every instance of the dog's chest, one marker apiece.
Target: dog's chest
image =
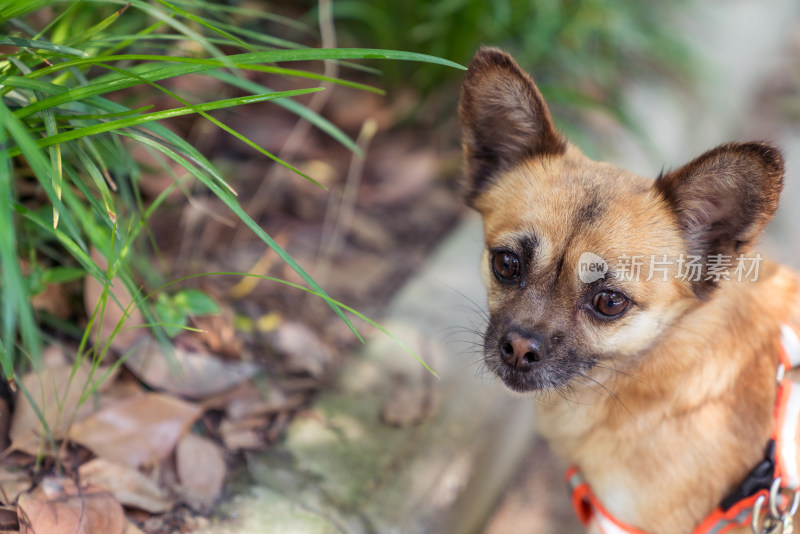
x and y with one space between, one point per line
644 470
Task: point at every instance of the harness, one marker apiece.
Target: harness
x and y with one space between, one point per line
774 481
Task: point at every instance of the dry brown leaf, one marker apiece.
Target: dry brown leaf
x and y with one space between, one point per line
53 356
253 399
57 392
301 348
201 470
138 431
13 482
131 528
190 374
114 313
8 519
59 507
128 485
244 433
217 335
54 300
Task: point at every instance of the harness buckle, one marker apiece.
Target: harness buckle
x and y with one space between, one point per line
778 520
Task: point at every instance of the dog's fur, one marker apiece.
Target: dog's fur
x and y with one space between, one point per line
667 406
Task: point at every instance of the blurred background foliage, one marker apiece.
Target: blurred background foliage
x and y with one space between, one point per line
581 52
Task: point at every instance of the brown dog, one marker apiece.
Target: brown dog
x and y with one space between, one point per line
636 313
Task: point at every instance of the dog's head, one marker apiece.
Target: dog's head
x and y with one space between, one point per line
586 263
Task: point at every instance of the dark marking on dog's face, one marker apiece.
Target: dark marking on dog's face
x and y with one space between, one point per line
582 258
591 211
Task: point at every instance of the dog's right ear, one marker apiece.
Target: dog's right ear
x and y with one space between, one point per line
504 119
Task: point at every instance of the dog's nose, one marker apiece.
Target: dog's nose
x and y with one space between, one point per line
522 351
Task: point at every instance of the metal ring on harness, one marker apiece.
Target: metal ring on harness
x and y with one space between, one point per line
774 494
778 521
771 526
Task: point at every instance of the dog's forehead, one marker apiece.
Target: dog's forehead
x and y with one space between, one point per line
554 195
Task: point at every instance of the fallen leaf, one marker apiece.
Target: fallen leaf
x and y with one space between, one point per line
217 335
59 507
201 470
138 431
8 519
190 374
54 300
251 399
129 486
301 348
131 528
57 392
13 482
53 356
244 433
117 309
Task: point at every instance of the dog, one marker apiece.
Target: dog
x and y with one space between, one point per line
637 313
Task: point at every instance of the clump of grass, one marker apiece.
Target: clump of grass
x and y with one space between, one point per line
580 51
65 130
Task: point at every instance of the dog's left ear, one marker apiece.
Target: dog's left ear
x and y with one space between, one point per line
504 119
724 198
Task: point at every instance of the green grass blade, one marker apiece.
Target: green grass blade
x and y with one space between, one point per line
97 177
75 251
16 308
189 66
316 293
122 45
211 63
257 37
14 8
90 33
104 116
249 13
234 206
170 20
26 146
51 128
42 45
233 132
115 109
130 122
205 24
295 107
90 196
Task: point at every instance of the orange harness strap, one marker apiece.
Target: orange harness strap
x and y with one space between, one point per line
721 520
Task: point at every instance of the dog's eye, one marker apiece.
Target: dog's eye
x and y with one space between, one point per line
505 265
610 303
